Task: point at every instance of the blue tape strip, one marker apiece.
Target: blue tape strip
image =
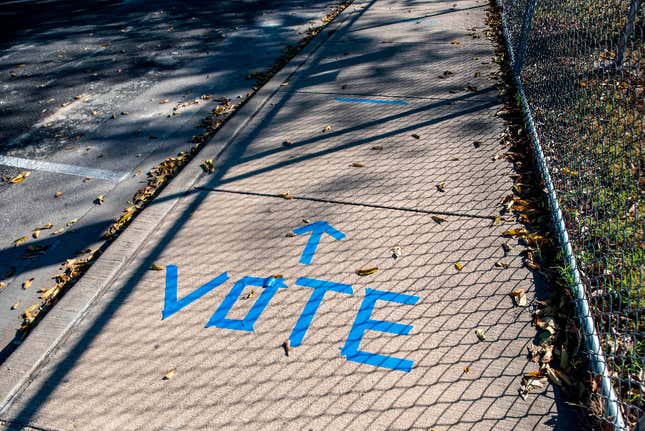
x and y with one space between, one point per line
171 305
320 287
363 323
383 102
316 229
270 286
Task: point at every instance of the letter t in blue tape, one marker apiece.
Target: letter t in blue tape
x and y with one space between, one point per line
363 323
320 287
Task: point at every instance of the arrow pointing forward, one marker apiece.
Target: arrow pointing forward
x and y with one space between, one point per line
316 229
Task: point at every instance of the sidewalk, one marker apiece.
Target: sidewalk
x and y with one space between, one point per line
361 137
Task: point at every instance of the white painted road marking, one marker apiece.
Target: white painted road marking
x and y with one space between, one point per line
60 168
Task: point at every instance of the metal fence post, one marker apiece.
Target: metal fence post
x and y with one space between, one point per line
529 11
627 32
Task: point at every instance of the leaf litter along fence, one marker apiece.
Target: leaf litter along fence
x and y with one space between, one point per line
580 70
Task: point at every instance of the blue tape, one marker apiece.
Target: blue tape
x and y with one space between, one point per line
320 287
363 323
316 229
270 286
383 102
171 305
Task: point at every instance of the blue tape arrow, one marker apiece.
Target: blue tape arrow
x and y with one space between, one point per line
316 229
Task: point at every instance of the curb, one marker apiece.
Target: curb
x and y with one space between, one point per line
22 365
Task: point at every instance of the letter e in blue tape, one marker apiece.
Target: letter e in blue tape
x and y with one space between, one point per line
320 287
363 323
171 305
270 286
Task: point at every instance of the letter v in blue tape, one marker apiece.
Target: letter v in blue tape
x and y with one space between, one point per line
320 287
270 286
171 305
364 323
316 229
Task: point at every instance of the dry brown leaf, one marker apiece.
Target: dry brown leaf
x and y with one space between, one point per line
467 369
59 230
14 306
396 252
2 285
441 186
36 233
438 219
459 266
358 165
516 232
155 267
290 235
208 166
286 195
27 283
506 247
415 136
327 129
20 240
58 194
480 334
71 222
519 297
99 200
366 271
455 42
169 374
377 147
287 347
18 178
501 264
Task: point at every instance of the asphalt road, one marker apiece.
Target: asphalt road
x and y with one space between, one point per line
81 92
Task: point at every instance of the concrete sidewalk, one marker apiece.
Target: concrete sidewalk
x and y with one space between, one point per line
368 139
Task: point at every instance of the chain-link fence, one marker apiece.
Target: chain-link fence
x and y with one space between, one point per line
580 69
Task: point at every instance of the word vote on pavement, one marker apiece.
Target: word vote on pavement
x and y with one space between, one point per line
270 285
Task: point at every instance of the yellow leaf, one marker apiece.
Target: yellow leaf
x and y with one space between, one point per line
516 232
45 226
208 166
18 178
366 271
519 297
155 267
20 240
71 222
480 334
57 231
358 165
466 369
2 285
27 283
286 195
459 266
455 42
36 233
14 306
170 374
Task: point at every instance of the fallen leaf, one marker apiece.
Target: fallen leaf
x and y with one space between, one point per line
480 334
287 347
519 297
438 219
208 166
290 235
501 264
18 178
396 252
14 306
57 231
415 136
459 266
250 295
58 194
169 374
155 267
287 143
2 285
72 221
441 186
455 42
164 101
477 144
286 195
506 247
466 369
358 165
377 147
306 221
366 271
516 232
27 283
99 200
20 240
327 129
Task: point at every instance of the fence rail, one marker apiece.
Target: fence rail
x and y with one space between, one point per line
580 70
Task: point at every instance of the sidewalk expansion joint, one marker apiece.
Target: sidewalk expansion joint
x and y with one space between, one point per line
337 202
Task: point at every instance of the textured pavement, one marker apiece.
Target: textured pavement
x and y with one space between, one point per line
107 373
